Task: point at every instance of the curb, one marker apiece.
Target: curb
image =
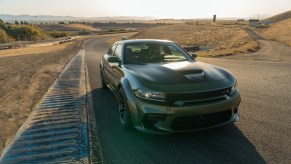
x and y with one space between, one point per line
57 130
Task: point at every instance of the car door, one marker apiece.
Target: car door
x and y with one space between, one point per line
107 66
117 73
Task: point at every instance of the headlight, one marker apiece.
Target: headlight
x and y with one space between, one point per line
233 88
150 95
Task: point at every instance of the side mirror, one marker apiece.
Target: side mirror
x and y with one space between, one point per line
193 56
113 59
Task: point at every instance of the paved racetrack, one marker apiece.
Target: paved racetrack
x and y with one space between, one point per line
263 133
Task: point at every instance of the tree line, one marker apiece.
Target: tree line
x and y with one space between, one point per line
20 32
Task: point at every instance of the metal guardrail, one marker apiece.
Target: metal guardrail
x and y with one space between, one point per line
36 43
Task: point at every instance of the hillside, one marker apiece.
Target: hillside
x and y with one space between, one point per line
26 32
67 27
83 27
280 17
280 31
21 33
221 40
41 18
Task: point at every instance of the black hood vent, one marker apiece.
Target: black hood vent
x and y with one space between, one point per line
196 75
190 71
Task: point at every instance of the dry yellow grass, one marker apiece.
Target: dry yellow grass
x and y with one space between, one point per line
280 31
67 27
33 50
83 27
223 40
119 37
41 49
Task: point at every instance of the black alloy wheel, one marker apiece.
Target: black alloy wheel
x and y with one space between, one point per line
124 111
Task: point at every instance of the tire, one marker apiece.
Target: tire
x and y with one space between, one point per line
123 110
103 83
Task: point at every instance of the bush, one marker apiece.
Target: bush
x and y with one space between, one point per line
2 25
84 32
4 38
59 34
31 31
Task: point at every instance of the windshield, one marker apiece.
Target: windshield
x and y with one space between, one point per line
138 53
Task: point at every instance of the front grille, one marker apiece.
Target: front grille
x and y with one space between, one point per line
196 96
196 122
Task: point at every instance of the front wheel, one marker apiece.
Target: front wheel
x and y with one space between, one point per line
124 111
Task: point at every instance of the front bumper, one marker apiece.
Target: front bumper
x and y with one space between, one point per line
161 119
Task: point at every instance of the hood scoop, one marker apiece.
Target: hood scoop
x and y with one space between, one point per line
195 75
191 71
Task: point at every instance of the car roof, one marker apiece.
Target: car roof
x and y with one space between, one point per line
143 41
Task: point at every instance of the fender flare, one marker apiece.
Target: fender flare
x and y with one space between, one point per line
124 83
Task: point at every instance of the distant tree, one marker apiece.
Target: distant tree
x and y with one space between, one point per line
16 22
21 22
25 22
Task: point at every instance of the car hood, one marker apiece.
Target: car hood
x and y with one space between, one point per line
178 73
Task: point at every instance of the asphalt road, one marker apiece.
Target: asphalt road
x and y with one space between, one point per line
263 133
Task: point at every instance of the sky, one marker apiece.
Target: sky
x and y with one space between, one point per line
177 9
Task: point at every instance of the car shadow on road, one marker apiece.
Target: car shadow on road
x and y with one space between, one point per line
226 144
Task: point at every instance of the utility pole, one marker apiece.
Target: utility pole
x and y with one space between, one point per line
258 16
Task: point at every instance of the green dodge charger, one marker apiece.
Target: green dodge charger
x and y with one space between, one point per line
162 89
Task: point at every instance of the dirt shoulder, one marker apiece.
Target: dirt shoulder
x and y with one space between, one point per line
25 76
269 50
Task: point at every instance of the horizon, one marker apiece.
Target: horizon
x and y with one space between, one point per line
261 16
153 8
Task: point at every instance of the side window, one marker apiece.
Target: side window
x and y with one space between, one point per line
118 51
111 50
